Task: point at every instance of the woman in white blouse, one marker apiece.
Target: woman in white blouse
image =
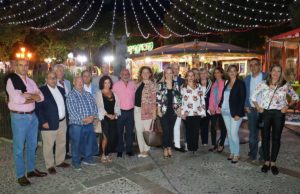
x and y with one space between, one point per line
193 108
273 106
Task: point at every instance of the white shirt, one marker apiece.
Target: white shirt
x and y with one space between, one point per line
59 101
254 81
88 88
193 103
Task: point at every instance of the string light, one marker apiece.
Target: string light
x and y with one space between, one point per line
114 16
137 22
40 16
25 11
164 24
149 21
78 22
95 19
125 20
58 21
267 3
14 5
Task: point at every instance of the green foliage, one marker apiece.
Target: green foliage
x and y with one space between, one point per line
295 12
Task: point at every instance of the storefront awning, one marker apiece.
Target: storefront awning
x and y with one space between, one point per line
292 36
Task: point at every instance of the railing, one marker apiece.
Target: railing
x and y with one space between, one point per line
5 127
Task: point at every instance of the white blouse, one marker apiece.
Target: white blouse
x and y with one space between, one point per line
193 103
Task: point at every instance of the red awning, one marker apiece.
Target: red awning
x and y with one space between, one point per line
293 35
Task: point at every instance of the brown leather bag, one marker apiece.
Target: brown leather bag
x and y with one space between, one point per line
153 137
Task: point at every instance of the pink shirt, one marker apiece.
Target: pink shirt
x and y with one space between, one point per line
17 100
125 94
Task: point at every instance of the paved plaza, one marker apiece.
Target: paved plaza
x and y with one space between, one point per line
204 172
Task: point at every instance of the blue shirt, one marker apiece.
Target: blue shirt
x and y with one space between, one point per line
254 81
225 106
80 106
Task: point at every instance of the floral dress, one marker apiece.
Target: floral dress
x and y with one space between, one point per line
193 102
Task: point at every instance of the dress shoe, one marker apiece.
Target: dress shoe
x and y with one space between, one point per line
51 170
119 154
23 181
180 149
265 168
36 173
274 170
68 156
63 165
213 149
129 154
220 149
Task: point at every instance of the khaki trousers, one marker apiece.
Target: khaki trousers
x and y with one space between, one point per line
59 138
141 126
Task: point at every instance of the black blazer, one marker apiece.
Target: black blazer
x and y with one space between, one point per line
236 98
47 111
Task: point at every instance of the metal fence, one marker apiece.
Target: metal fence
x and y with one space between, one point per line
5 128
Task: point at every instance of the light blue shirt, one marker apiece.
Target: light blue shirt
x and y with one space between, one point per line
225 105
254 81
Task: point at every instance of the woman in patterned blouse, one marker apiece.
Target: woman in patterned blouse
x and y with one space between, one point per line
273 107
168 100
193 108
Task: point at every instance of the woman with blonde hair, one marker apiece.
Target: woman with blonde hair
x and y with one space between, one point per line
144 107
273 106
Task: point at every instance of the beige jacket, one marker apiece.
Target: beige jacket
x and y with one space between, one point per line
100 105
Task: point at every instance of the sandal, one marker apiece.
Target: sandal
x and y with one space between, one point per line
235 159
169 152
103 159
220 149
230 157
166 153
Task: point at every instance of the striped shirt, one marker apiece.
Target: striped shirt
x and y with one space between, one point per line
80 106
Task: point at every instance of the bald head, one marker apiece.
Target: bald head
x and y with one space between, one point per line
78 83
125 75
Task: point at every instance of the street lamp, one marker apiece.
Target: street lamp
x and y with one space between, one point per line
108 59
23 54
82 59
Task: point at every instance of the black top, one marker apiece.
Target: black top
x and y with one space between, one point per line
237 98
138 95
170 101
109 104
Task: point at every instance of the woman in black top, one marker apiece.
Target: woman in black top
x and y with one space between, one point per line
108 106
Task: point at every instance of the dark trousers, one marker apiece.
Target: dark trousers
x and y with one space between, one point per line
110 130
204 122
68 139
272 119
125 121
214 119
192 125
167 122
253 134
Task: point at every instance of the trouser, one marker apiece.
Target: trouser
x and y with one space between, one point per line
167 123
272 119
204 122
57 137
253 134
110 130
125 121
233 127
177 132
141 126
214 119
192 124
25 130
82 143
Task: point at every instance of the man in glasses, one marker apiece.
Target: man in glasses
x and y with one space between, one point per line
52 119
23 93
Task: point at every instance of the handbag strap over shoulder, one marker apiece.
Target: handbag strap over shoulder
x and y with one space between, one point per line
272 97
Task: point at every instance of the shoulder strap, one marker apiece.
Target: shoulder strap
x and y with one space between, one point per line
272 97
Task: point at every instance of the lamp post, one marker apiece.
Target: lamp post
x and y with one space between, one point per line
108 59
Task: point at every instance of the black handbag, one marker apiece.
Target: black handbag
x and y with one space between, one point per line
260 119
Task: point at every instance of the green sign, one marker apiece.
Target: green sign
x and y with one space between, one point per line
138 48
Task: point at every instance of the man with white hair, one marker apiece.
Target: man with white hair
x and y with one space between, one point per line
104 71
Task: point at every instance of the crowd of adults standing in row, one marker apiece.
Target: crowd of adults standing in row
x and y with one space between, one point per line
111 107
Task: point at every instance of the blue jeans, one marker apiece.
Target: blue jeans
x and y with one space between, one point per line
253 134
25 130
233 127
82 140
125 120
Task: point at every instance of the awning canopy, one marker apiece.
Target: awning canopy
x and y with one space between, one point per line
292 36
196 47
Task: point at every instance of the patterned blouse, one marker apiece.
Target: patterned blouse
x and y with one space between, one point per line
279 100
161 96
193 103
148 103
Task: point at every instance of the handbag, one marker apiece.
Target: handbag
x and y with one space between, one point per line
260 119
153 137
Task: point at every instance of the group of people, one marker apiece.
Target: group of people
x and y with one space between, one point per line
99 115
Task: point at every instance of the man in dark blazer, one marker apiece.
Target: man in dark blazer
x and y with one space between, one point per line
52 120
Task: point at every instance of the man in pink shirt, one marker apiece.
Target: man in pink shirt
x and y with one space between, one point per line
23 93
125 91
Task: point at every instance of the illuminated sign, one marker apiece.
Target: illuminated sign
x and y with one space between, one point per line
138 48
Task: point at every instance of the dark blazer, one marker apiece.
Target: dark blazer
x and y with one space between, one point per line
47 111
180 81
207 93
236 98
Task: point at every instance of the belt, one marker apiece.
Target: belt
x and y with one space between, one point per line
62 119
18 112
127 110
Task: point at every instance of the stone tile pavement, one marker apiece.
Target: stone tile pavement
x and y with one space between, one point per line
203 172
